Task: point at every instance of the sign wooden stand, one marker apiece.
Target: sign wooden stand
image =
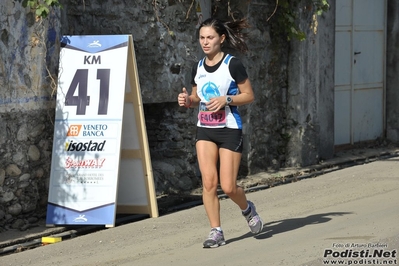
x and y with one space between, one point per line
139 153
101 162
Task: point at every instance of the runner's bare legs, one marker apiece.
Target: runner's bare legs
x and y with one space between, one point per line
208 154
229 165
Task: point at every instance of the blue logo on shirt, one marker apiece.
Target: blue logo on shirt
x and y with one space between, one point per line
210 90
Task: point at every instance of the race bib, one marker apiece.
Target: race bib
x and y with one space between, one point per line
211 119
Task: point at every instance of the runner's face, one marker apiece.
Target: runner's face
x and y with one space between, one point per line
210 40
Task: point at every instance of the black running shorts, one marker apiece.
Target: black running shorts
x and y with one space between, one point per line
228 138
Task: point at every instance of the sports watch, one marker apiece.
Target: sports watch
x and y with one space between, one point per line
228 100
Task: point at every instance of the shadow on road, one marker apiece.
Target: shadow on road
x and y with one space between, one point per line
276 227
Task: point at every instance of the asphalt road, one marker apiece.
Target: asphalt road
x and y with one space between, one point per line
350 215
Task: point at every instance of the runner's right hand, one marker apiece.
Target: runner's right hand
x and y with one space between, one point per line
182 99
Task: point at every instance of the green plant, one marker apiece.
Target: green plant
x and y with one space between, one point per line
287 13
321 6
41 7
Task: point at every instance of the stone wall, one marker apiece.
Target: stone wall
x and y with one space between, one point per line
26 145
27 50
276 132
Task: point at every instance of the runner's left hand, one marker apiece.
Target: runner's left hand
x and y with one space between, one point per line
216 103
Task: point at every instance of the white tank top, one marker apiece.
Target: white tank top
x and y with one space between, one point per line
218 83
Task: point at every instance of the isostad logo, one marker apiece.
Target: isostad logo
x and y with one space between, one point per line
74 130
84 146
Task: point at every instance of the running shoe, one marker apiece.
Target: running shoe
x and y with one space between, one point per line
215 239
255 223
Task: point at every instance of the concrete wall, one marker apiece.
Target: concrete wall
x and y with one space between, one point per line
311 91
392 69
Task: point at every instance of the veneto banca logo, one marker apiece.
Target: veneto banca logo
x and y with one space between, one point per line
74 130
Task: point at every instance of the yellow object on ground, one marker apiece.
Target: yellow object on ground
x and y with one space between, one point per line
51 240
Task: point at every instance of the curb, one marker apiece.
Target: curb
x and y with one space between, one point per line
271 179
